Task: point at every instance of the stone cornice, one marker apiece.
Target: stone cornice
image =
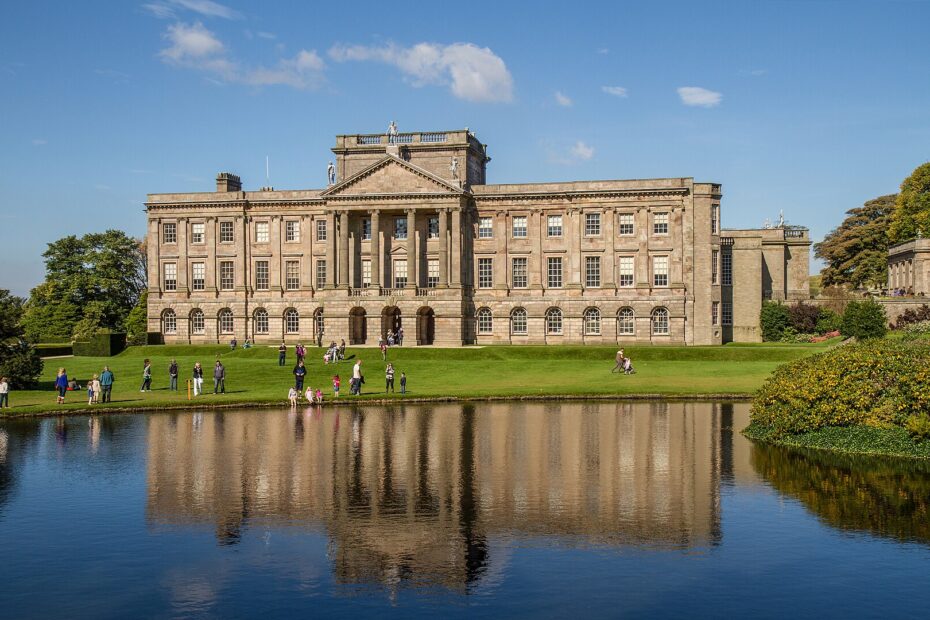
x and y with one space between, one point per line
582 193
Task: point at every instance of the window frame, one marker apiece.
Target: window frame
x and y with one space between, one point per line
227 231
432 227
172 237
291 321
319 273
260 322
657 281
198 321
172 326
262 231
292 278
518 319
262 275
198 238
485 232
485 272
292 231
592 321
519 280
554 230
396 278
554 322
169 284
523 230
660 319
624 329
661 227
400 229
222 317
589 276
484 320
551 275
432 272
592 224
621 224
322 230
198 284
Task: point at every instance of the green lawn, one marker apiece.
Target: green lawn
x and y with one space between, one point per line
254 376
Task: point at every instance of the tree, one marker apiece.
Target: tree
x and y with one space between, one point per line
136 321
864 319
773 319
856 252
913 206
94 280
18 361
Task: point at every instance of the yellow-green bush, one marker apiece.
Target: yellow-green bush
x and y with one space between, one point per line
875 383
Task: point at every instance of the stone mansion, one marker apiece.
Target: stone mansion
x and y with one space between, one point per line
409 234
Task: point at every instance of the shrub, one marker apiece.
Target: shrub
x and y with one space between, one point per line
874 383
803 317
916 331
773 319
22 364
863 320
828 321
918 425
910 316
104 344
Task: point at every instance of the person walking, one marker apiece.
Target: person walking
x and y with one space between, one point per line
61 384
357 378
618 367
93 390
146 376
300 351
336 383
342 349
403 383
300 371
198 379
389 378
4 393
173 376
400 336
383 346
219 377
282 354
106 384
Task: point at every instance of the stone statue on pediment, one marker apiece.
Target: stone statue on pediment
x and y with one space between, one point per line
781 219
454 167
331 173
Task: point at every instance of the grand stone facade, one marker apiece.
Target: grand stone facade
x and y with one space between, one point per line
412 236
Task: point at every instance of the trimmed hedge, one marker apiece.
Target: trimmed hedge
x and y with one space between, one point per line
880 383
104 344
54 350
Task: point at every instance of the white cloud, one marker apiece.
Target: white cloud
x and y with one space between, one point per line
753 72
473 73
563 100
159 10
616 91
697 96
603 51
39 142
167 9
582 151
266 35
195 47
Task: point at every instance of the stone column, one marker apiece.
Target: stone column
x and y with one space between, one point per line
411 248
343 272
443 249
330 249
456 248
376 269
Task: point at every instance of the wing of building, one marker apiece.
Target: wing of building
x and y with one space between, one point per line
412 237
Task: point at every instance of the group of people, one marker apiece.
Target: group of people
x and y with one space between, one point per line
392 339
312 397
219 377
99 387
624 364
334 352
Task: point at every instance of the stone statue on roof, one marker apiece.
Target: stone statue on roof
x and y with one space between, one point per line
392 132
331 173
454 167
781 219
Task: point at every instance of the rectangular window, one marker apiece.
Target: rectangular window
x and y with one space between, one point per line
519 227
714 312
321 230
626 271
198 232
171 276
726 269
261 232
714 259
432 228
485 228
400 228
592 271
660 270
626 224
660 224
292 275
519 273
226 232
198 276
714 219
554 226
320 273
432 273
366 229
292 231
727 313
366 273
485 272
554 272
400 273
227 279
169 232
261 275
592 224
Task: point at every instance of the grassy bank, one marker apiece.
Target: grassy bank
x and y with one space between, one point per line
253 375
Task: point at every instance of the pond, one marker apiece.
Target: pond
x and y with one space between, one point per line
598 509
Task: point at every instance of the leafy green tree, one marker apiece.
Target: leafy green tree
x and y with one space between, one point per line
94 280
136 321
913 206
773 320
864 319
856 252
18 361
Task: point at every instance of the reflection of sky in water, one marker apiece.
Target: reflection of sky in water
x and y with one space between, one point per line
512 509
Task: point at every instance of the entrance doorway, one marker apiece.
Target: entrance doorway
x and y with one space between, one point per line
390 320
358 326
426 325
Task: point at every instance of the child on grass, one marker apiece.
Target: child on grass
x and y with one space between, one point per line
319 396
292 396
336 383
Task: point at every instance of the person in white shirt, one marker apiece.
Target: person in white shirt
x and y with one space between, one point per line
4 393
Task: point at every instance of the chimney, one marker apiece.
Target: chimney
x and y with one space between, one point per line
228 182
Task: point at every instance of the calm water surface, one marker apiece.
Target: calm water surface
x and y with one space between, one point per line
486 510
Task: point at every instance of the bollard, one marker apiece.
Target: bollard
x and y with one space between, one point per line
188 389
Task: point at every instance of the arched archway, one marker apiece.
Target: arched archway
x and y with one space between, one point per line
390 320
426 325
358 326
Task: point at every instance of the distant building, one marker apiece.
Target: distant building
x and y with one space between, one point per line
412 236
909 267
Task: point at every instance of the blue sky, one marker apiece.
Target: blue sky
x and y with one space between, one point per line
807 107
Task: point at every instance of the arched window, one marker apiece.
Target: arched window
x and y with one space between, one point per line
226 321
518 321
592 322
291 321
318 321
660 322
553 321
626 325
198 325
261 321
485 321
169 322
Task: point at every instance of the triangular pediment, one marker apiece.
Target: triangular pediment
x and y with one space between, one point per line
392 176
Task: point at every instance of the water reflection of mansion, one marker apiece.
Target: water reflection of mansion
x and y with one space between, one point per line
415 494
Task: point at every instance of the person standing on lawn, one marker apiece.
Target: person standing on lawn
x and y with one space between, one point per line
357 378
403 383
146 376
106 384
282 354
4 393
61 384
400 336
198 379
219 377
618 367
336 383
389 378
173 376
300 371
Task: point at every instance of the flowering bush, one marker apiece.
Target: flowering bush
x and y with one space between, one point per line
874 383
915 331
